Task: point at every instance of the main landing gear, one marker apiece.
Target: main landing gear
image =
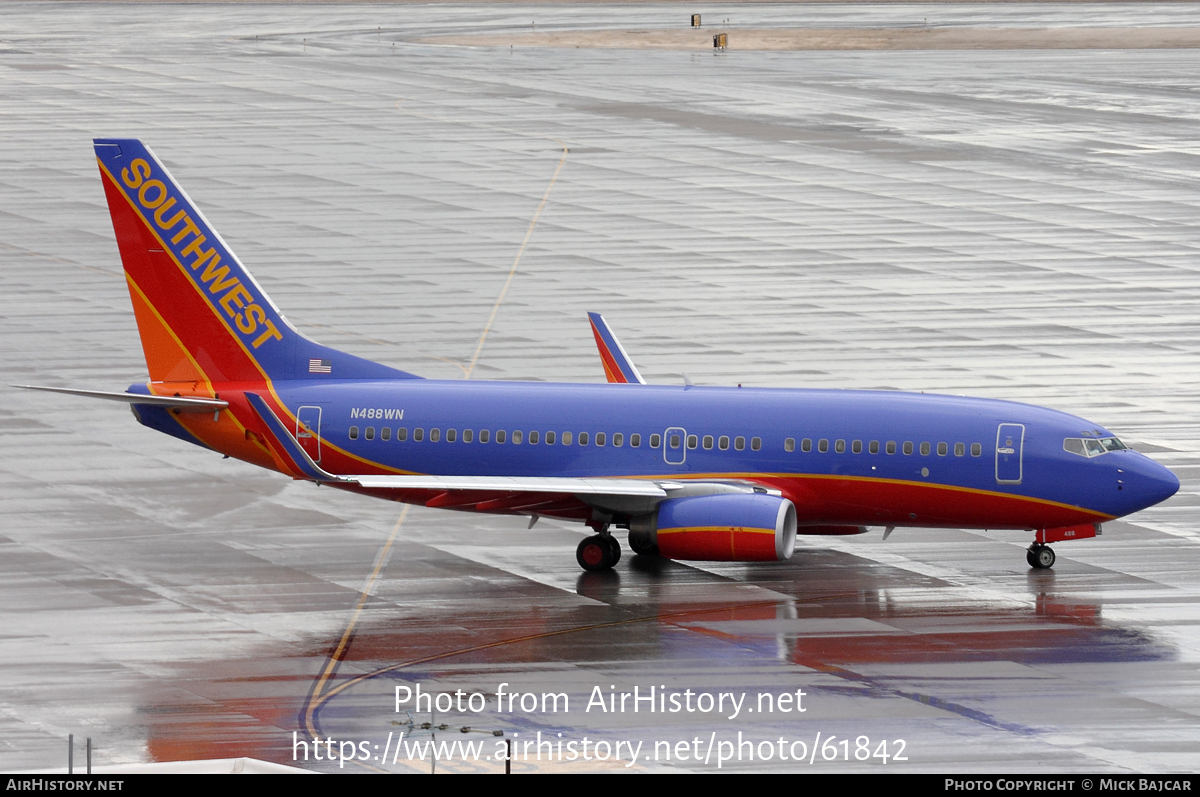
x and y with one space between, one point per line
598 552
1040 557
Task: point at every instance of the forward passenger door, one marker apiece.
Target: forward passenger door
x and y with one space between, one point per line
1010 442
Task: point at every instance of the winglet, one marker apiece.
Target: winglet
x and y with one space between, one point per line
618 368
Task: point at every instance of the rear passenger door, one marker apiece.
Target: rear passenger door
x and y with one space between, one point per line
308 431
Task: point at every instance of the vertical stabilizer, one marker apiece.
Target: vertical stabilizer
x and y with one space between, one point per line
202 317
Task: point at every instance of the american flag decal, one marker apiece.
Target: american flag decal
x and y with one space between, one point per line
320 366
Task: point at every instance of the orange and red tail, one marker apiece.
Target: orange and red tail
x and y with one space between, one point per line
203 319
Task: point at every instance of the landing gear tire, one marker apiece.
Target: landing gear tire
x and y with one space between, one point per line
1040 557
639 543
598 552
614 548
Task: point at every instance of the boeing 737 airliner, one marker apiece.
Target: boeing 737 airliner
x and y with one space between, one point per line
692 472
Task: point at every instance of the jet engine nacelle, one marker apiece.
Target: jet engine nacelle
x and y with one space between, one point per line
749 527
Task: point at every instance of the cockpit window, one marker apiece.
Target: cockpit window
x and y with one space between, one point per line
1090 447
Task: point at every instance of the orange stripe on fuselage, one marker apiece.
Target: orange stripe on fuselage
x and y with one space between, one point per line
822 499
866 501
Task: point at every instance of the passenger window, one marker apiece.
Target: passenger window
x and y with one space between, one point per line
874 449
451 435
756 444
583 438
891 446
485 435
618 439
353 432
518 436
501 436
806 445
692 441
635 440
739 443
566 438
600 438
655 441
840 446
708 442
723 443
385 433
856 447
675 441
435 435
549 438
943 449
418 434
976 449
402 433
924 449
370 435
468 435
823 445
789 444
908 447
959 449
533 438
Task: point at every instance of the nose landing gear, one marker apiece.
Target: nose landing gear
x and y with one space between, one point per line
1040 557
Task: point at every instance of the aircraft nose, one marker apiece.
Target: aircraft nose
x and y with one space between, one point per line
1147 483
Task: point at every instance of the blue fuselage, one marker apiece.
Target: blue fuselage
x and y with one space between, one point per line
992 449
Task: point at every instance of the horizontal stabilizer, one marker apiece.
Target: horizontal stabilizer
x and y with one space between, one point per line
181 403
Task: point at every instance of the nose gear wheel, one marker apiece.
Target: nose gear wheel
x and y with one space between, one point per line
1040 557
